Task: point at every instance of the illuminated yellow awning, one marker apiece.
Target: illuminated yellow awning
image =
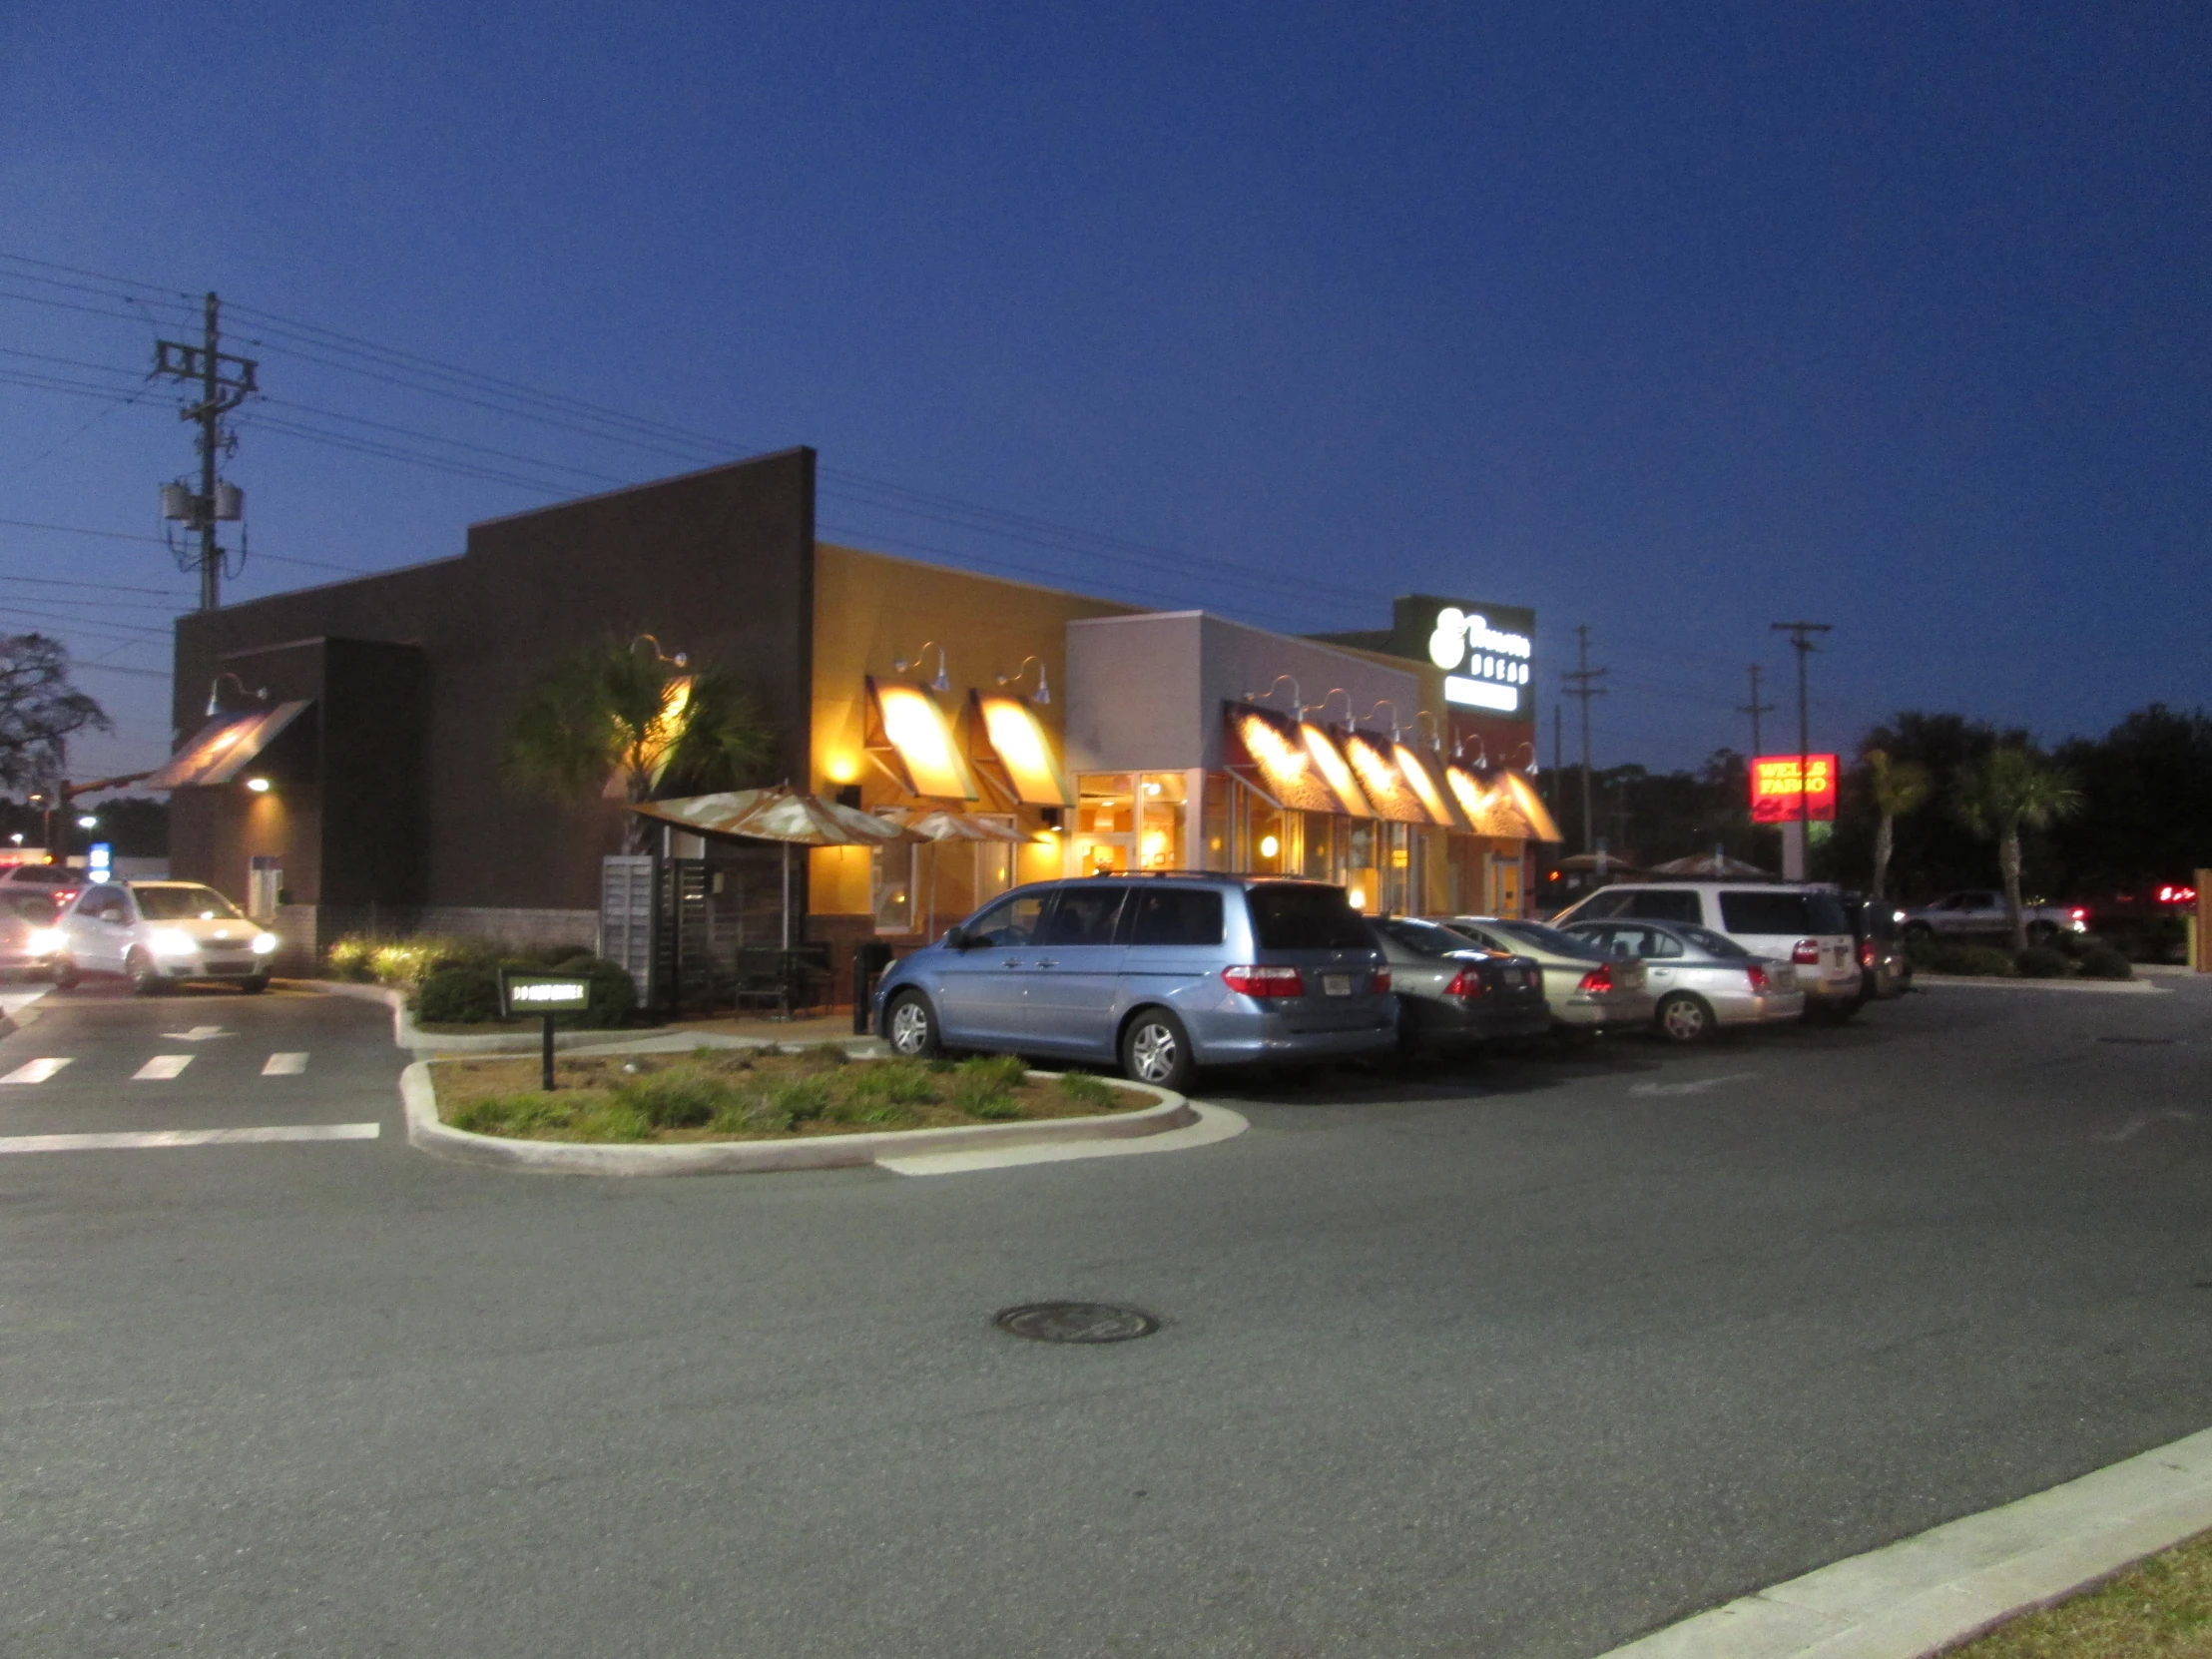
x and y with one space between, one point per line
1287 772
1012 738
910 736
1540 823
1508 808
1382 779
223 747
1334 770
1427 782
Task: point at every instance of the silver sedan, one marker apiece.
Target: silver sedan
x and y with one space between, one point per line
1702 981
1587 989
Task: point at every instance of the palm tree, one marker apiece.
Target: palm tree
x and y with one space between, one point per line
2009 787
1897 788
613 722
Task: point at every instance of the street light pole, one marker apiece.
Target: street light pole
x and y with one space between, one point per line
1801 641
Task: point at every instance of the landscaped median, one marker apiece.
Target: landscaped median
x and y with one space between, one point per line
731 1110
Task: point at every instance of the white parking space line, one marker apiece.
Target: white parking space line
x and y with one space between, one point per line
161 1068
122 1140
284 1065
36 1071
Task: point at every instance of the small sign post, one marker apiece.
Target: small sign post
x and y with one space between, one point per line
547 995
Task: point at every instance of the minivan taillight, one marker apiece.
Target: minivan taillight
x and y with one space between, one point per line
1758 977
1807 954
1466 983
1865 953
1264 981
1381 983
1599 979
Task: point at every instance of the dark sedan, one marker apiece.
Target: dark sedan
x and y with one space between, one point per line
1452 993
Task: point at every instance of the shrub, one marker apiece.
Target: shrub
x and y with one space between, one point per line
614 995
2101 961
1984 960
1922 949
1080 1088
348 959
2043 962
891 1082
458 995
800 1100
983 1087
681 1097
528 1116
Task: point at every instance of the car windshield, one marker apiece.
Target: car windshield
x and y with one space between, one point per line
1712 944
1301 917
183 903
1426 939
1550 939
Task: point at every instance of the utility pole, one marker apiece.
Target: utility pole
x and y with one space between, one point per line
226 382
1801 641
1755 709
1582 682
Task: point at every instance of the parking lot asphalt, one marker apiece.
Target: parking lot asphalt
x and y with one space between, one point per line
1517 1357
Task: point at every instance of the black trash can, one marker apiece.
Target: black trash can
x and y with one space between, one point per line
869 959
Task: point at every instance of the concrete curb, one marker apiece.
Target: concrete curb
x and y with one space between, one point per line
2120 988
429 1133
1926 1594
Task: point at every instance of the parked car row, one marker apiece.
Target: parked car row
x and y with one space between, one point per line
1165 972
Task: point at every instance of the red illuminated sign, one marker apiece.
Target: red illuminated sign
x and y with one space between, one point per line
1776 789
2178 895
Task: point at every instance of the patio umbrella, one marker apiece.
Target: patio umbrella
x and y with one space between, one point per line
779 814
1713 866
941 825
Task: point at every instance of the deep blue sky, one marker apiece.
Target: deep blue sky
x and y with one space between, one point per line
1677 321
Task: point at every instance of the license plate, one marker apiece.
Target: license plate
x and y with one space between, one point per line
1336 985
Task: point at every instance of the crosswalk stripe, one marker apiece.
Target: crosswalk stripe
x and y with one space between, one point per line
161 1068
120 1140
36 1071
284 1065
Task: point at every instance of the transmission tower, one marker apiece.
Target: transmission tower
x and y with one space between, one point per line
225 381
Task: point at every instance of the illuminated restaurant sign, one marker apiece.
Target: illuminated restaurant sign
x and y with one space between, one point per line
1777 788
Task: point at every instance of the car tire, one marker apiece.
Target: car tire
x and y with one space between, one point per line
1155 1049
66 977
145 979
911 1027
256 985
1683 1019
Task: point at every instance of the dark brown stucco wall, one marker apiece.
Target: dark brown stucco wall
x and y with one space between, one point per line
718 564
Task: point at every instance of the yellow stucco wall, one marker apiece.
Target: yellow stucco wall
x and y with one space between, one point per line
871 610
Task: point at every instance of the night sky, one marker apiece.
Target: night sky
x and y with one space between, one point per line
1676 321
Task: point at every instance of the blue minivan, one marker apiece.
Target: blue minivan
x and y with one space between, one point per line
1161 973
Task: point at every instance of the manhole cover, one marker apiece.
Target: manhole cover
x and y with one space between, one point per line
1075 1322
2142 1042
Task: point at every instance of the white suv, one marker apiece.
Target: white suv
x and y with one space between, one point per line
1804 925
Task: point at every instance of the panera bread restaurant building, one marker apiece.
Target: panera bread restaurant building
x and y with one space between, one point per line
340 764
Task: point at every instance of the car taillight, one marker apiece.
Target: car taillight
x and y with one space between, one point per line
1865 953
1264 981
1757 975
1599 979
1466 983
1807 954
2077 914
1382 981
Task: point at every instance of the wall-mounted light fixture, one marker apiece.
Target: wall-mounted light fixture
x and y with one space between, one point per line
1385 703
682 659
944 681
1044 690
1322 707
259 786
215 692
1298 697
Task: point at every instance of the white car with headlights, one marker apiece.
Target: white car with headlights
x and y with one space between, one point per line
159 933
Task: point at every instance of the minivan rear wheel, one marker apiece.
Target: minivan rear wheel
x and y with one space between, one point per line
1156 1049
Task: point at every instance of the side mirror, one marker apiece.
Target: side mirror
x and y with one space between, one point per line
956 939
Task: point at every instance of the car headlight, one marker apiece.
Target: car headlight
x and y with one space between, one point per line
44 941
169 942
263 944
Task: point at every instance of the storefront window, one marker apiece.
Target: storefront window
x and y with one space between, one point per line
994 862
1362 872
1105 833
891 887
1317 859
1160 797
1397 868
1216 830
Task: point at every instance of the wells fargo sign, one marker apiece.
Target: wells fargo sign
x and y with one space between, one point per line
1777 788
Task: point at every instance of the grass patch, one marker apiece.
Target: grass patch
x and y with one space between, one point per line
754 1094
2159 1610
